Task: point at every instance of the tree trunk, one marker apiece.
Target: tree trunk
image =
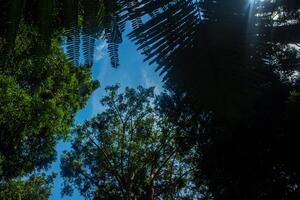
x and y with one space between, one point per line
150 192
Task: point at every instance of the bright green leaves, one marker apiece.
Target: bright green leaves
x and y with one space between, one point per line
14 103
34 187
40 96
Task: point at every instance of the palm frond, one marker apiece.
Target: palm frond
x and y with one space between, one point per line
172 27
73 44
88 45
114 38
89 30
70 8
113 53
137 23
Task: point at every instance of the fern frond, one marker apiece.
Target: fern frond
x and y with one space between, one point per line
113 49
171 28
88 47
70 8
114 38
73 44
90 29
137 23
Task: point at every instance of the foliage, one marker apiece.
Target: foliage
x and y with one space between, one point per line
253 159
235 95
127 152
40 14
34 187
233 89
232 71
221 71
171 28
100 19
39 97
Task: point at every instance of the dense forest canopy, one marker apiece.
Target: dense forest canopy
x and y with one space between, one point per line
231 105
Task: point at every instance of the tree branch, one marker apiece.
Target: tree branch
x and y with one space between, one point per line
163 164
111 168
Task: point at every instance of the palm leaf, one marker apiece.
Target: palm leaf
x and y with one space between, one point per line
114 38
138 23
73 44
88 44
172 27
70 8
91 10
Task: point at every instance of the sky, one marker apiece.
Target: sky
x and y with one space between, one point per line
132 72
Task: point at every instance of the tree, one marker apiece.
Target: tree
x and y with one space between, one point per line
231 90
127 152
39 97
34 187
256 159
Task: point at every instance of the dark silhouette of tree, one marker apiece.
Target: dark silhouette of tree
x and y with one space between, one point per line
231 80
232 91
40 14
11 12
256 158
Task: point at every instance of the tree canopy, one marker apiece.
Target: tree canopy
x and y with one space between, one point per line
127 152
39 97
34 187
228 121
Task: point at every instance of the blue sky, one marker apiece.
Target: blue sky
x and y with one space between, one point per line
132 72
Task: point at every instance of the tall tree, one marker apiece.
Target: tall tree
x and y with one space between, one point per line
127 152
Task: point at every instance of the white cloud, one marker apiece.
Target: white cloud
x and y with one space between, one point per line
150 82
100 51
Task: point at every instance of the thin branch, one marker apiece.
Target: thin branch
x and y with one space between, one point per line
113 170
123 124
173 183
163 164
90 178
117 112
